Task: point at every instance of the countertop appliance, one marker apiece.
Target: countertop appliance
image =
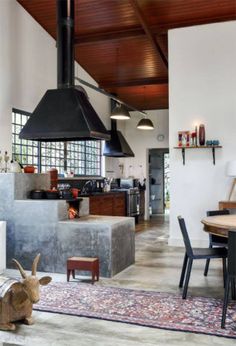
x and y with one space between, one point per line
132 196
132 199
133 202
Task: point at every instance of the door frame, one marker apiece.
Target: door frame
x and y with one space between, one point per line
162 151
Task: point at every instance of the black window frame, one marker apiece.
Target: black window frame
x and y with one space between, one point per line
92 150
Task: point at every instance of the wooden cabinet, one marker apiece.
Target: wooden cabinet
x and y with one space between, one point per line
111 204
227 205
119 205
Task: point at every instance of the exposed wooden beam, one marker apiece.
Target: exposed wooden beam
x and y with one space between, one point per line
133 82
148 32
109 35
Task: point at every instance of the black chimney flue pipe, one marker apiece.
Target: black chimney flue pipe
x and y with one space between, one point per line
113 121
65 113
65 43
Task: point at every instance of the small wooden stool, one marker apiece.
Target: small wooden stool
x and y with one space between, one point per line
83 263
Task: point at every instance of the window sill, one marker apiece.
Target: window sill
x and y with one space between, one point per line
80 178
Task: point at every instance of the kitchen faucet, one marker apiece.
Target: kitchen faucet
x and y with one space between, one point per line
84 189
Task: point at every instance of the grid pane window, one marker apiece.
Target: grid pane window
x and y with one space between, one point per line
83 158
25 152
52 156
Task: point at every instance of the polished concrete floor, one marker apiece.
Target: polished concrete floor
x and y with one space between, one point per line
157 268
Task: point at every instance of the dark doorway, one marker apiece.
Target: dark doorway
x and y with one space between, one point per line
158 181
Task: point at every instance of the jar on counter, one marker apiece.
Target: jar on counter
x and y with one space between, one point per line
53 177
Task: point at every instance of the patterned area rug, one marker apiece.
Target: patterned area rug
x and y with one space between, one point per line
145 308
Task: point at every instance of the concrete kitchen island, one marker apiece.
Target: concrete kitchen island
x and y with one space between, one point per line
110 238
42 226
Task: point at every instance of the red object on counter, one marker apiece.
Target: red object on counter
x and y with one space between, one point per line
54 177
75 192
29 169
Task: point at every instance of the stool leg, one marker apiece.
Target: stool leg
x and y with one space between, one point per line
97 271
73 273
93 277
68 275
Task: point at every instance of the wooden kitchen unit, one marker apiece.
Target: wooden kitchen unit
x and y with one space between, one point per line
227 205
109 203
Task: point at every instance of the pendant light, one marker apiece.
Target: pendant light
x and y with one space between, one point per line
145 123
120 113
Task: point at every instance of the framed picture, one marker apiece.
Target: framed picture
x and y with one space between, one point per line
184 138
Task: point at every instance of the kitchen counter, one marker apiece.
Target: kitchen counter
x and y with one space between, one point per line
102 193
108 203
98 220
42 226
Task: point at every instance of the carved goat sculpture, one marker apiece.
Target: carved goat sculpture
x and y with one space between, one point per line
17 298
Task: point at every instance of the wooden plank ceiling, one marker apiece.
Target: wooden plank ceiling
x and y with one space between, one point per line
123 45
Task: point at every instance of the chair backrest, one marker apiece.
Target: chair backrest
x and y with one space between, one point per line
217 212
186 239
215 239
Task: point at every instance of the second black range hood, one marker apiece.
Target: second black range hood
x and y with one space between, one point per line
64 114
117 146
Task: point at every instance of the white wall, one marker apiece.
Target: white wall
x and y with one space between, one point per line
2 246
140 141
202 89
28 67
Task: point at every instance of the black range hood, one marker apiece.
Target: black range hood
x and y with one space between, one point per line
117 146
64 114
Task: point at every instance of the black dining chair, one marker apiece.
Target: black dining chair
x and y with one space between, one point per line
230 276
216 240
194 254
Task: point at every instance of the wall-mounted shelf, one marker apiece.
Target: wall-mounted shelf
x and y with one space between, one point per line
212 147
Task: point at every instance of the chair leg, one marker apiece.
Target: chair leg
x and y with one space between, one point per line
206 267
233 289
181 281
224 270
190 262
225 303
207 262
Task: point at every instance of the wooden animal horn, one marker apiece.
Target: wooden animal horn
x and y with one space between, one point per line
35 263
23 274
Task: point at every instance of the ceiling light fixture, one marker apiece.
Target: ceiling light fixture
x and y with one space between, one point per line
120 113
145 124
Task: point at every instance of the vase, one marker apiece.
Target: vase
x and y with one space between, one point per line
201 134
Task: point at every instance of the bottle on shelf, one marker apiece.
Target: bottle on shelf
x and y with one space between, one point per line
202 134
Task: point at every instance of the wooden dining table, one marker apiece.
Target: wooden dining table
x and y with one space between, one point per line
225 225
220 224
